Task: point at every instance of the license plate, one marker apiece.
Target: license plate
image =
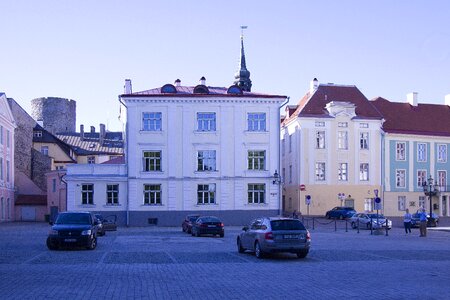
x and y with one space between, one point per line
211 225
290 236
70 240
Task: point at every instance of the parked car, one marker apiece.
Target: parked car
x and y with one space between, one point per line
100 229
186 226
431 222
275 234
368 221
340 212
109 223
73 229
208 225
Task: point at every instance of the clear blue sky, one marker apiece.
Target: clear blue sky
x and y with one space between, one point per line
84 50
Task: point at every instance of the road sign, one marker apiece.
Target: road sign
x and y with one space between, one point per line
308 199
302 187
377 203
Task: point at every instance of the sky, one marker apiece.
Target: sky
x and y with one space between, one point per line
84 50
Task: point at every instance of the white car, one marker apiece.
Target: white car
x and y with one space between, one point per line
366 220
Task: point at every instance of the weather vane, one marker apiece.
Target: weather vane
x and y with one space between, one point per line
242 30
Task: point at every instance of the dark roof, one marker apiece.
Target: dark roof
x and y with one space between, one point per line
90 144
423 119
115 161
31 200
188 91
47 137
314 105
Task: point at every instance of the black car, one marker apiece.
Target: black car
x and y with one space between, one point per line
100 229
186 226
340 212
76 229
431 222
108 222
208 225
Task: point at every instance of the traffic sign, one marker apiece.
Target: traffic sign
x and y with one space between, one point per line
308 199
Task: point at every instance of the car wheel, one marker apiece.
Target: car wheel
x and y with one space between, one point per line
353 225
369 225
302 254
327 216
197 234
341 217
51 246
258 252
183 229
93 244
239 246
222 234
192 233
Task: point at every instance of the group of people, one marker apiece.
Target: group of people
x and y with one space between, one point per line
407 220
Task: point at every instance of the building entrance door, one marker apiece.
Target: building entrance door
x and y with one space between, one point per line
444 206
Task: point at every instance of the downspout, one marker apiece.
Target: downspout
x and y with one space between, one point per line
382 183
280 205
127 216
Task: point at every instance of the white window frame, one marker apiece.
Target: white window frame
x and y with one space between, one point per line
320 169
364 140
421 152
152 194
290 173
112 194
320 124
343 172
151 161
400 178
91 160
369 204
401 200
256 160
422 201
442 180
44 150
364 171
152 121
256 121
206 121
342 140
320 139
87 194
256 193
421 178
400 151
1 169
442 153
206 160
206 194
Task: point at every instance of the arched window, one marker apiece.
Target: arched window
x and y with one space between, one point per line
168 89
2 209
201 89
235 90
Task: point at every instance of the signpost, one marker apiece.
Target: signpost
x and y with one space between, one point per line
308 202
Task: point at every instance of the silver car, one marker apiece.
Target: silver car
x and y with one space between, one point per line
369 221
270 235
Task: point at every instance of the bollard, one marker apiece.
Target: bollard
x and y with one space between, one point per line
358 225
371 227
314 223
346 225
335 228
387 234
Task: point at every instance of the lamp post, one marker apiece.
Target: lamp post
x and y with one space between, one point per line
430 190
277 181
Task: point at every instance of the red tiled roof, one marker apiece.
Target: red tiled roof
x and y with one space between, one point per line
183 91
423 119
31 200
314 106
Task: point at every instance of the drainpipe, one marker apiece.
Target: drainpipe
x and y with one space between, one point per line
127 217
280 205
382 183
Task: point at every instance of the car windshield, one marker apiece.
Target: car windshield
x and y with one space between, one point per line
193 219
210 219
376 216
287 225
348 208
73 219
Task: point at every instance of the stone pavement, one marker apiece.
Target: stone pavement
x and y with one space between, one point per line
164 263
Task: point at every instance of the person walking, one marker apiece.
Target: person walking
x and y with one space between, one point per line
423 223
407 221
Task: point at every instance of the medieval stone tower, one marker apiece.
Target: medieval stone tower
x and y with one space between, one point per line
55 114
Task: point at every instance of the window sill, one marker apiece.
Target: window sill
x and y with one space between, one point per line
112 205
151 131
88 205
151 205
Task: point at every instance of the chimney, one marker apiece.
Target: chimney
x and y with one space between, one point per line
412 98
102 134
177 82
313 85
82 132
447 99
92 129
127 87
203 80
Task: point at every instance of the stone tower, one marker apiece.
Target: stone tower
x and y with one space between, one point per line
55 114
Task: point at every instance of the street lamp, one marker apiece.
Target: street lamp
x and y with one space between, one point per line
277 180
430 190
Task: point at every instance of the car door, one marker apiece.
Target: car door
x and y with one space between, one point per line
250 234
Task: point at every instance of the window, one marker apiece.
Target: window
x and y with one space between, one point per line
284 173
364 171
87 194
342 175
400 176
151 121
320 171
290 143
368 204
401 203
8 141
364 140
320 140
422 201
37 134
442 180
44 150
320 124
8 171
256 193
256 121
442 153
256 160
363 125
206 121
152 194
401 151
1 135
206 193
206 160
112 194
283 146
53 185
152 161
421 177
91 160
1 168
421 152
342 140
342 124
290 174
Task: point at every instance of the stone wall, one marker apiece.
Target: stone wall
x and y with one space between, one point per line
57 114
40 166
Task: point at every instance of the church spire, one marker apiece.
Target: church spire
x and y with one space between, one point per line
242 76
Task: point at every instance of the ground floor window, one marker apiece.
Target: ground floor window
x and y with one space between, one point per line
87 194
256 193
422 201
206 193
112 194
152 194
401 203
368 204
